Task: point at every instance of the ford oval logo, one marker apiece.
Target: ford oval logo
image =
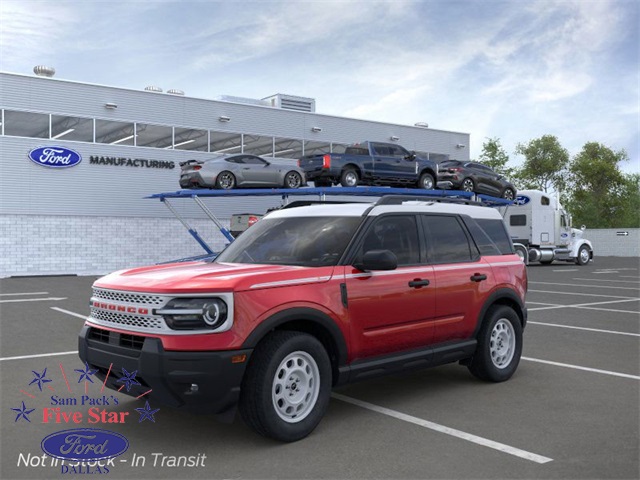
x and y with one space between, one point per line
564 235
84 444
55 157
521 200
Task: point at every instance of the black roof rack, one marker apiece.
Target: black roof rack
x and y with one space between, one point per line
399 199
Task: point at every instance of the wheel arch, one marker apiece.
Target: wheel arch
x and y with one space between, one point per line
306 320
506 297
352 166
430 171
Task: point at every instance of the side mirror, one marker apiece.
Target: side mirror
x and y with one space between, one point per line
378 260
411 156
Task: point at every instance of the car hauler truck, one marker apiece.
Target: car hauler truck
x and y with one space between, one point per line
541 230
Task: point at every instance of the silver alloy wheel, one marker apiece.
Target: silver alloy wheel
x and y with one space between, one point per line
296 386
503 343
508 194
226 180
467 185
293 180
584 255
427 182
351 179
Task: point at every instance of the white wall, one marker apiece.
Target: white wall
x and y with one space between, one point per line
608 243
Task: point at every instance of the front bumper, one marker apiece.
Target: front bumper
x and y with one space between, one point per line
167 376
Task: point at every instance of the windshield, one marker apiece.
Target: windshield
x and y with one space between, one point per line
303 241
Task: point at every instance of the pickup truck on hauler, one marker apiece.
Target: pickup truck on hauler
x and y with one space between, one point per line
308 298
371 163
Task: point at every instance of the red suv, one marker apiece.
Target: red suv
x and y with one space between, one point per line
309 298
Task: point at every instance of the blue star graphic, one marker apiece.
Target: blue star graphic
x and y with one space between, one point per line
129 379
24 413
86 373
40 378
146 413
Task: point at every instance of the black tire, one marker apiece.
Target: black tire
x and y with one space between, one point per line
292 180
426 182
262 405
349 178
508 194
523 253
584 255
468 185
499 345
225 180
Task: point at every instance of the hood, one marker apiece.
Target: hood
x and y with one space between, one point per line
200 277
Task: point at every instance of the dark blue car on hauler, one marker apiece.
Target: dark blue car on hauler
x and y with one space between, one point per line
371 163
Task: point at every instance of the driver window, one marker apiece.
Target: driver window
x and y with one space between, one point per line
398 234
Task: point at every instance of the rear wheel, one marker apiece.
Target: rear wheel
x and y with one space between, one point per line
226 180
292 180
349 178
426 182
285 391
499 345
468 185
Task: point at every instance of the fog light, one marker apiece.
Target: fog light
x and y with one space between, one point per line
194 388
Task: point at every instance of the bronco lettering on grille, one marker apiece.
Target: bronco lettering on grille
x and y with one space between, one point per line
120 308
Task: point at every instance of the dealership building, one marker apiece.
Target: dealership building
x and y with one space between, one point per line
91 215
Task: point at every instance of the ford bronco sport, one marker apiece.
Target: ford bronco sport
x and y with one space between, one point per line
310 298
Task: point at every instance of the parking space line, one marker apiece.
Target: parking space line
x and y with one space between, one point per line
73 314
605 280
23 293
584 328
570 270
586 286
447 430
578 367
608 310
16 300
24 357
587 306
583 294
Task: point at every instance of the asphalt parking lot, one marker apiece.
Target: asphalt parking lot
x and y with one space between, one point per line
571 411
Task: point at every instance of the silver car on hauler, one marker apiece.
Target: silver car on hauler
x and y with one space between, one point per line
240 170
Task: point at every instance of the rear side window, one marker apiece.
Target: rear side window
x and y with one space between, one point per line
447 241
497 233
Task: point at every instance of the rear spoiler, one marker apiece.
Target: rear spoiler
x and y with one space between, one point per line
189 162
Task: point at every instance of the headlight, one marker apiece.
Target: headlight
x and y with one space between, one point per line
194 313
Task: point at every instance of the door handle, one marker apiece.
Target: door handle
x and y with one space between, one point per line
478 277
417 283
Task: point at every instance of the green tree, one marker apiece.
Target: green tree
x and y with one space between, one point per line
545 164
599 194
493 155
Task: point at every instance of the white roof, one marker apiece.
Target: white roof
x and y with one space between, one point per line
357 209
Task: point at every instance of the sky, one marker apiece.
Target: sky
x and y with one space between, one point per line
512 70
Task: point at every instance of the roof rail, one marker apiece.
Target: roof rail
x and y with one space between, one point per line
399 199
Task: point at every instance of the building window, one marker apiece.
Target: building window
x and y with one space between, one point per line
115 133
191 139
155 136
26 124
72 128
225 142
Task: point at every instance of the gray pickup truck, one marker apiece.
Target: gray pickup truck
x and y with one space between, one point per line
371 163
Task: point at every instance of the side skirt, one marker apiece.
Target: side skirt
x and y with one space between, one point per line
406 361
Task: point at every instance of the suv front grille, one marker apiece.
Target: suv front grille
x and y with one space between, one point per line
129 297
123 319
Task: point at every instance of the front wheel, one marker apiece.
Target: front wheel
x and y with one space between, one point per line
292 180
349 178
499 345
426 182
285 391
508 194
583 255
